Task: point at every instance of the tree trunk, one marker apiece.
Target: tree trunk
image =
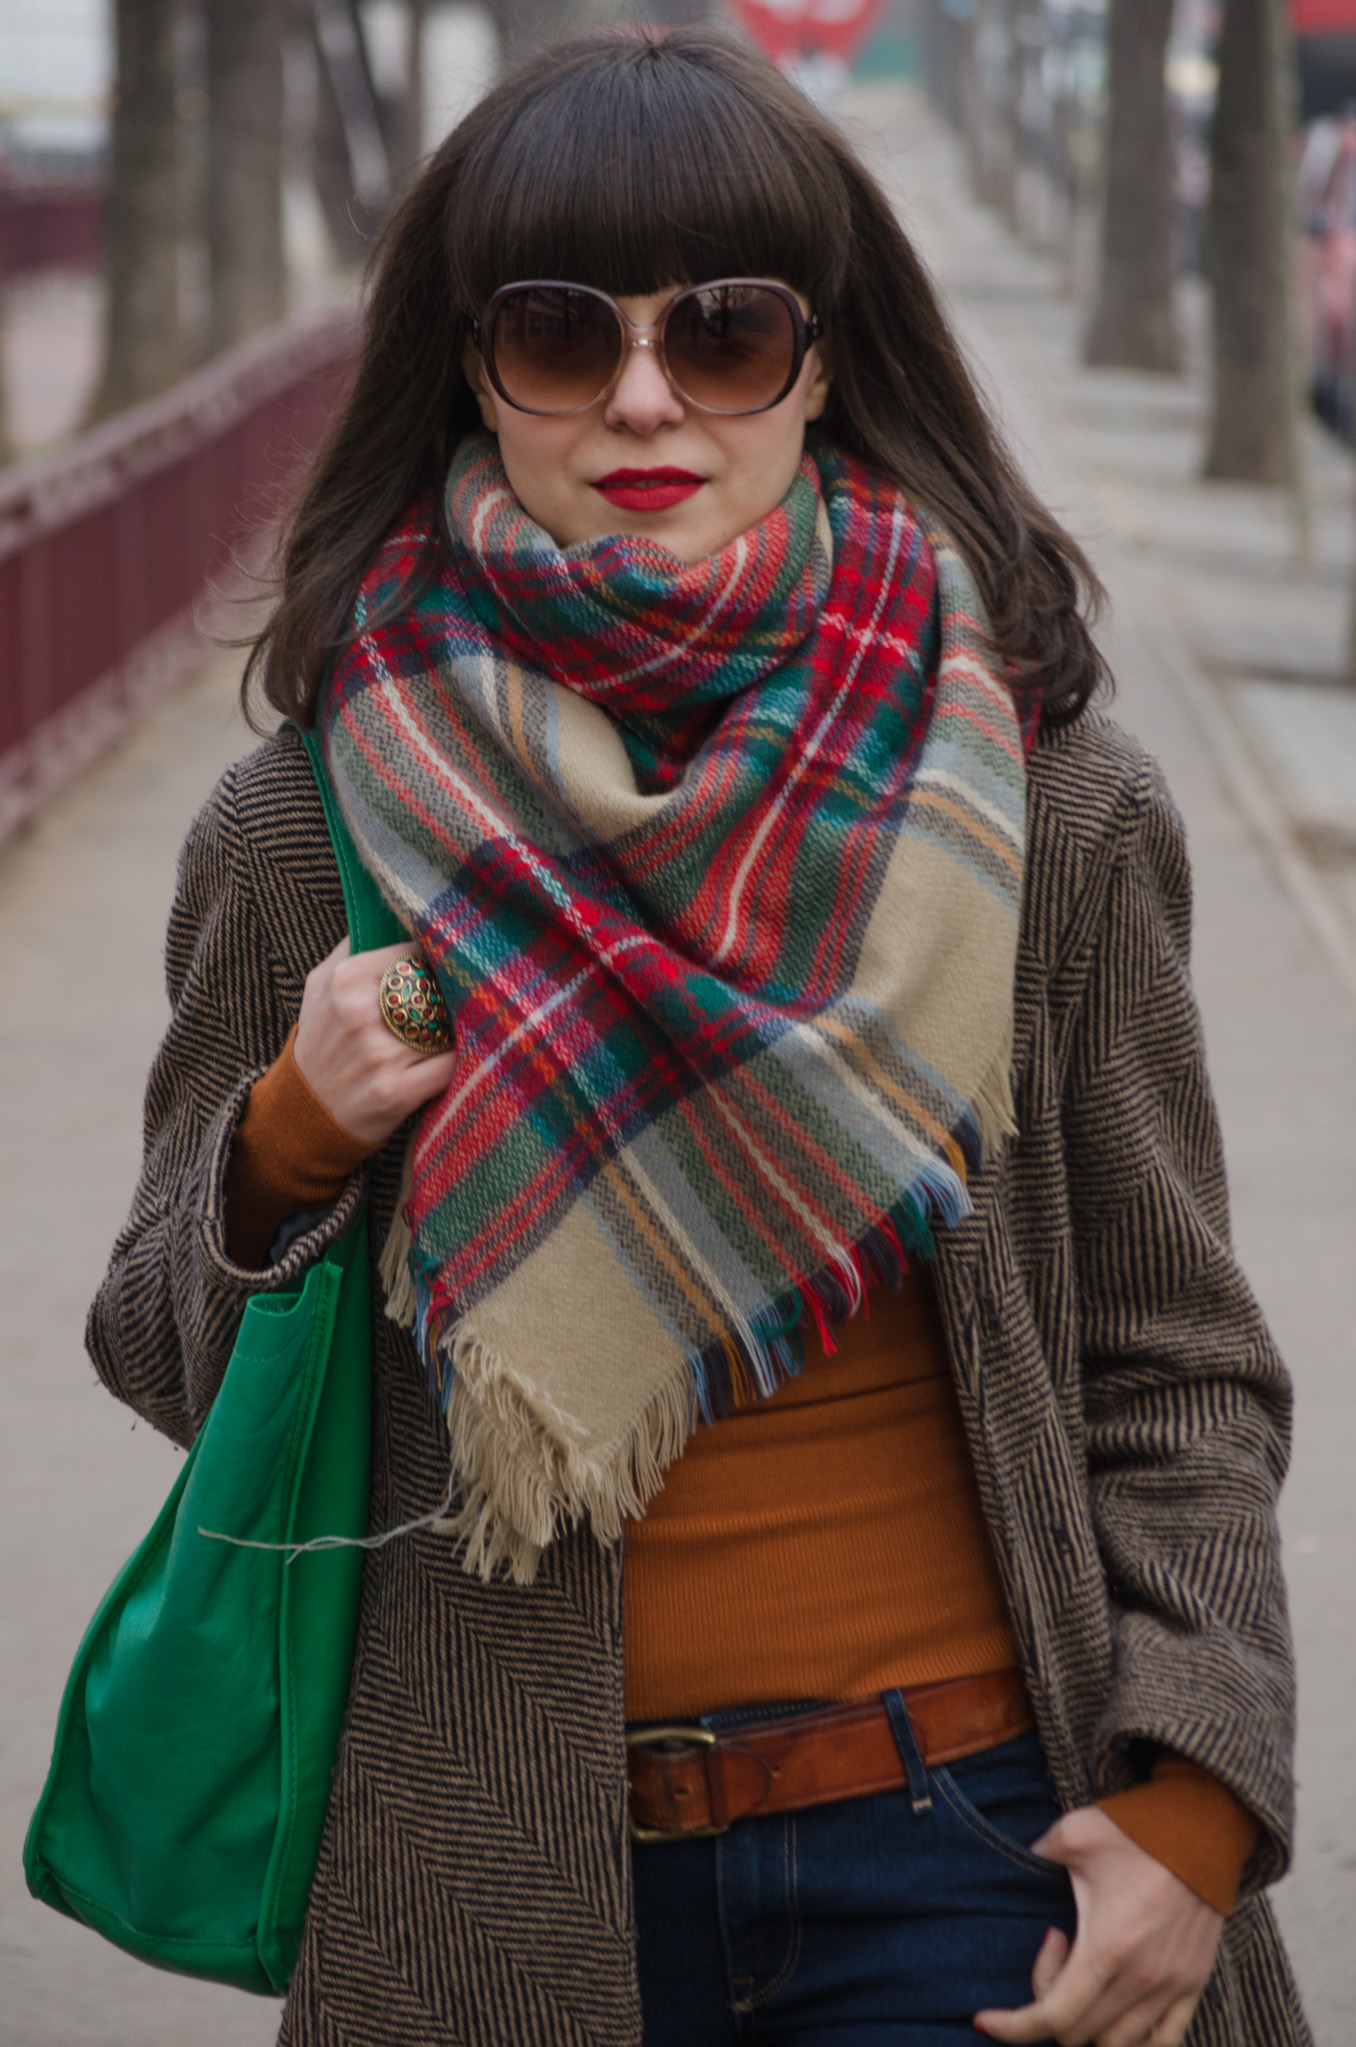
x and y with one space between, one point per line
1252 434
244 167
525 25
1033 138
405 112
352 169
990 122
946 52
333 178
1132 325
142 352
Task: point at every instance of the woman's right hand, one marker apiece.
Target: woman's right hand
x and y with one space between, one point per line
355 1067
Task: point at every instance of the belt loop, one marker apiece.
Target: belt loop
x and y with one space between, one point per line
915 1769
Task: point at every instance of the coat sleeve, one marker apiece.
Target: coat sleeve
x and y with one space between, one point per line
164 1321
1186 1402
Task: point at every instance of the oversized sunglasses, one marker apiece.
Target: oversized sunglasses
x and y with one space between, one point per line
732 346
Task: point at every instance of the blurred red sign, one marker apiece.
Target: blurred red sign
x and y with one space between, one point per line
787 29
1323 17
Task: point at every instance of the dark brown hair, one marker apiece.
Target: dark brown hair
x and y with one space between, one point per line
633 162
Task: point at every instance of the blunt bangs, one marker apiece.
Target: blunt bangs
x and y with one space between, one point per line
644 167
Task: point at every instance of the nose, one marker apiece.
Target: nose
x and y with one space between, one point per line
644 399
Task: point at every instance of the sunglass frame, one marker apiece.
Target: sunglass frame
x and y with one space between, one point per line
806 329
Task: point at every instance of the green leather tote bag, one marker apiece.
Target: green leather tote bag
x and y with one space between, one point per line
182 1813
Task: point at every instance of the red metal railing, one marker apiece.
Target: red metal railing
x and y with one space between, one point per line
50 226
108 549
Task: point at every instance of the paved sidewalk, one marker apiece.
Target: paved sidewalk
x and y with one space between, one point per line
82 905
83 901
1206 608
49 357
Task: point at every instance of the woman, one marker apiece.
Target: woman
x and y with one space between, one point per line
821 1184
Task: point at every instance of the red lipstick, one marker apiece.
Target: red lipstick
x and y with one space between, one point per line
647 490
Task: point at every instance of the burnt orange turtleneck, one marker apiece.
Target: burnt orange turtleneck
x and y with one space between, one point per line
827 1543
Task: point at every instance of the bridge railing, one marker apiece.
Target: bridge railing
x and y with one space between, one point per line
50 224
110 549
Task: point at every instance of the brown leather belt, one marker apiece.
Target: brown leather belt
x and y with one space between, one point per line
691 1780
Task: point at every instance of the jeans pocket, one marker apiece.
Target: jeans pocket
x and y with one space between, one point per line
1002 1797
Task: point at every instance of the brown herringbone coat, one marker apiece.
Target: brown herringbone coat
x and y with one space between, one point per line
1125 1407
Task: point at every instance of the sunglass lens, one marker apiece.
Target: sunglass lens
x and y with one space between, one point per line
554 350
731 347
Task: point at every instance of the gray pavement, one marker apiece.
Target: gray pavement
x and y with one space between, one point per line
83 901
1206 608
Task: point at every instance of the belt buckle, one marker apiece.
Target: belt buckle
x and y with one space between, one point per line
655 1737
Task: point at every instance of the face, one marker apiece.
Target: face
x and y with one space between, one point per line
589 474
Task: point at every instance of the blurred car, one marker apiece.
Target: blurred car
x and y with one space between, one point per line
1327 213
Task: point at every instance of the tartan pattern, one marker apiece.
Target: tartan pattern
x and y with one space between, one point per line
719 868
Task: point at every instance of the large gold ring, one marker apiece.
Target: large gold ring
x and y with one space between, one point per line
412 1007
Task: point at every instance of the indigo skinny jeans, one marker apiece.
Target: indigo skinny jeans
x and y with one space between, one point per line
886 1921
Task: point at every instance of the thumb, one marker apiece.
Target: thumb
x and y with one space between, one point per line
1053 1844
1054 1953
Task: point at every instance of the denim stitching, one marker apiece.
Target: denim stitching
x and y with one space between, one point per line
790 1887
737 2005
985 1831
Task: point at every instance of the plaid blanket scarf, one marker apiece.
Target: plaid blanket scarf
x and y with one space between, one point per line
718 867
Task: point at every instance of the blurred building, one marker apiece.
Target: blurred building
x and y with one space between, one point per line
56 69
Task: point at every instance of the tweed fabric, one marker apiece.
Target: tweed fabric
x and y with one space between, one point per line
1124 1405
734 1023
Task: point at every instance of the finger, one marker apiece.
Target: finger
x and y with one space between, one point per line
1017 2027
430 1076
1138 2025
1128 2013
1054 1953
322 973
1173 2027
373 962
1066 2010
387 955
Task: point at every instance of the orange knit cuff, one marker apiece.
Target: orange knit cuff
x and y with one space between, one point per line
1188 1821
288 1156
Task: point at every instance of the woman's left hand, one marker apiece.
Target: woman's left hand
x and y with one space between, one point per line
1144 1949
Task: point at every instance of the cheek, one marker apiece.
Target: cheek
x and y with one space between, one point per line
535 453
769 445
763 455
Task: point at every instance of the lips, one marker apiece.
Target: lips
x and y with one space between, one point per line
647 490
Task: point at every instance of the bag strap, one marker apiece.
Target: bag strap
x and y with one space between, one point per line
371 921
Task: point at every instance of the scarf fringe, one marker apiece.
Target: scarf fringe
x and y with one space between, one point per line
524 1476
523 1471
994 1109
